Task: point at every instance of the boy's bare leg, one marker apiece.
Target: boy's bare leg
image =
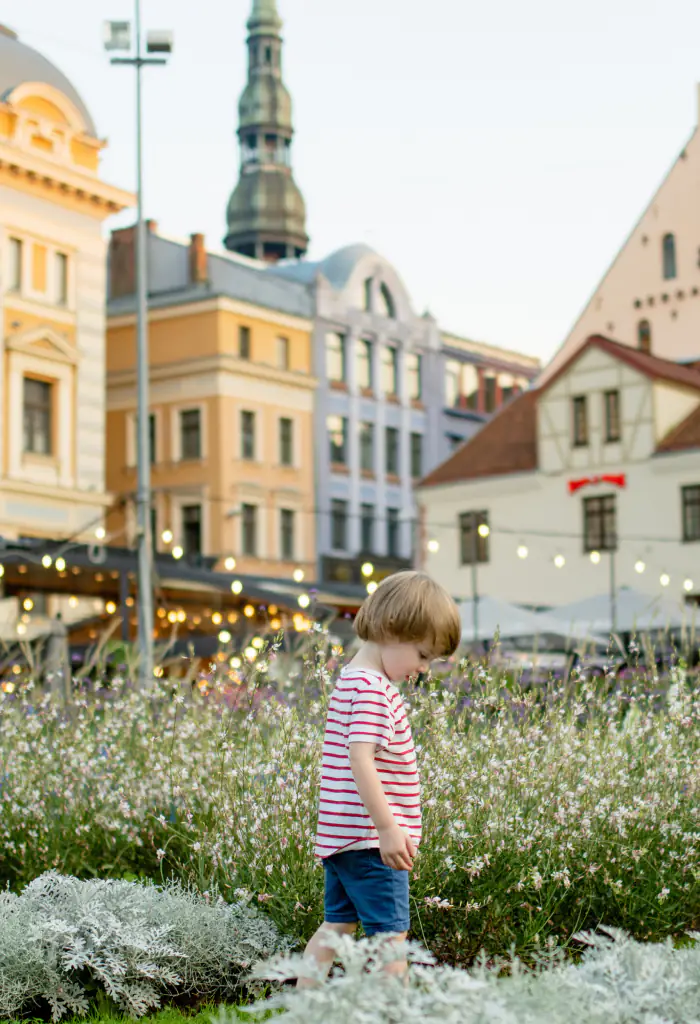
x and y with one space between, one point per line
400 965
322 954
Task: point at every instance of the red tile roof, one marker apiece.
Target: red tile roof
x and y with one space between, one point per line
651 366
506 444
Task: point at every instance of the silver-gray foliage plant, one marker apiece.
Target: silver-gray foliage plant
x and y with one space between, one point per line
620 981
62 938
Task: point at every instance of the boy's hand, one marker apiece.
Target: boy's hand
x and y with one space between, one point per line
396 848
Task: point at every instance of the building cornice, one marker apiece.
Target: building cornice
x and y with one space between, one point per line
211 304
85 187
222 363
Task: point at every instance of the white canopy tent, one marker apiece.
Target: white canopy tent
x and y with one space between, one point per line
634 612
492 616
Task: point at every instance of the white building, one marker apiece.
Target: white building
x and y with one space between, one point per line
597 470
649 297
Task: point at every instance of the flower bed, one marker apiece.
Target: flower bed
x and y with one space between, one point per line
543 815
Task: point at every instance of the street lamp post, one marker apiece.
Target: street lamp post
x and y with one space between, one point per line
118 37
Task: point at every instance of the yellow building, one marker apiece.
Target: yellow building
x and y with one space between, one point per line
231 405
52 301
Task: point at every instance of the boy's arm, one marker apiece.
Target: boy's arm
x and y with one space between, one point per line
396 848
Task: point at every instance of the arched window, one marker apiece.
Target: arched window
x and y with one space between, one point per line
644 336
669 257
388 307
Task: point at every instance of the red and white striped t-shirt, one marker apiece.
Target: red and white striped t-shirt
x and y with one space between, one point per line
365 706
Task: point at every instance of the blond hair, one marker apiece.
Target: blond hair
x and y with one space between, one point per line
410 607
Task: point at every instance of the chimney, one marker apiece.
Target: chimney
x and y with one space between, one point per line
198 260
122 260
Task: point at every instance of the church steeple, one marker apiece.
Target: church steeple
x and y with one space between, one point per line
266 212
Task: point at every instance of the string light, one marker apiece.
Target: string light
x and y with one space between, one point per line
298 575
250 653
181 615
367 569
639 566
522 551
235 663
129 602
433 546
230 564
224 637
177 552
372 586
484 530
303 600
217 618
2 570
60 564
27 604
47 561
595 557
111 608
172 617
559 561
73 601
161 613
687 585
100 533
275 623
167 536
236 587
257 642
249 611
664 579
272 610
21 630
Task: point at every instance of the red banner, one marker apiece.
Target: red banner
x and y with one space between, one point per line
616 479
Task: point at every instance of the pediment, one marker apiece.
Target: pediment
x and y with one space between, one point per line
44 343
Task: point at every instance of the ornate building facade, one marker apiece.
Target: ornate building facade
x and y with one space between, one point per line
52 301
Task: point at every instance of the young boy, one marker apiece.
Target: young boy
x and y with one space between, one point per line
369 822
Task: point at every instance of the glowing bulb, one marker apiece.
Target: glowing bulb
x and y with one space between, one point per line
595 557
303 600
161 613
100 533
172 617
433 546
111 608
217 618
639 566
522 551
249 611
2 570
178 552
687 585
257 642
21 629
235 663
664 579
250 653
224 637
367 569
47 561
60 564
236 587
298 575
73 601
167 536
181 615
483 530
559 561
372 586
230 564
27 604
275 623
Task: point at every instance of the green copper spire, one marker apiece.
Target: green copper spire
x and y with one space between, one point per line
264 18
266 212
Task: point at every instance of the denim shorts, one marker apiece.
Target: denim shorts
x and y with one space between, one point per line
360 887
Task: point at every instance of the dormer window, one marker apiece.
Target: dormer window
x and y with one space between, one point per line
388 309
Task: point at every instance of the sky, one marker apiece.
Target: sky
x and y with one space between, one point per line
496 153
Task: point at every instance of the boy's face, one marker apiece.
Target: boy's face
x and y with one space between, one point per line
401 661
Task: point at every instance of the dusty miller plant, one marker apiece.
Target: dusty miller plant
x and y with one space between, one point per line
620 981
63 939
